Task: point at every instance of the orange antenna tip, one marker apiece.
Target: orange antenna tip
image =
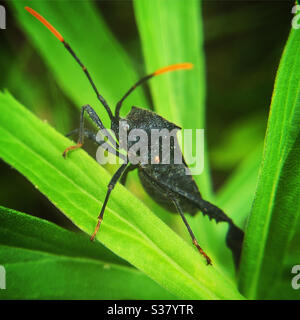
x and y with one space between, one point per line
45 23
178 66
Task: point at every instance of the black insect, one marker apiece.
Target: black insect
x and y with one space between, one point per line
167 184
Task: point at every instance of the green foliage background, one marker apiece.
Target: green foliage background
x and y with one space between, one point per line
144 252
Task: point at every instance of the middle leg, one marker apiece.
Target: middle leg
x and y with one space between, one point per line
111 185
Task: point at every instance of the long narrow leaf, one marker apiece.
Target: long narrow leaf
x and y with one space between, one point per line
236 197
171 32
277 202
78 185
64 265
25 231
237 194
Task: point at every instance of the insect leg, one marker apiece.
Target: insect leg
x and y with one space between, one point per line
234 237
195 242
173 198
95 118
93 136
87 133
111 185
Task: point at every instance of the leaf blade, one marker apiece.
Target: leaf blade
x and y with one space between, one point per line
78 184
276 205
64 265
49 276
171 32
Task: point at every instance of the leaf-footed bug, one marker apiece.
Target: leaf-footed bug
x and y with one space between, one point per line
167 184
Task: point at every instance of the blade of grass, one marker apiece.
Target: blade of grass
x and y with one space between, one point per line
276 206
64 265
28 232
95 45
236 197
231 148
171 32
283 289
78 185
48 276
237 194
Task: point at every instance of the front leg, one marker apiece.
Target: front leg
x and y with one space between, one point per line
87 133
95 118
93 137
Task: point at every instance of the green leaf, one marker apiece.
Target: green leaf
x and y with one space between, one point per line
235 197
107 62
38 275
231 148
283 288
171 32
237 194
277 202
77 186
25 231
47 261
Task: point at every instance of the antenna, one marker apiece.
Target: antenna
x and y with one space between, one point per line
67 46
173 67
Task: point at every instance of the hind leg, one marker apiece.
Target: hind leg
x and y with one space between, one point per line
195 242
234 237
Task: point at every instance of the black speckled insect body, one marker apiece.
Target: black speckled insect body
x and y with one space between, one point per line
168 184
